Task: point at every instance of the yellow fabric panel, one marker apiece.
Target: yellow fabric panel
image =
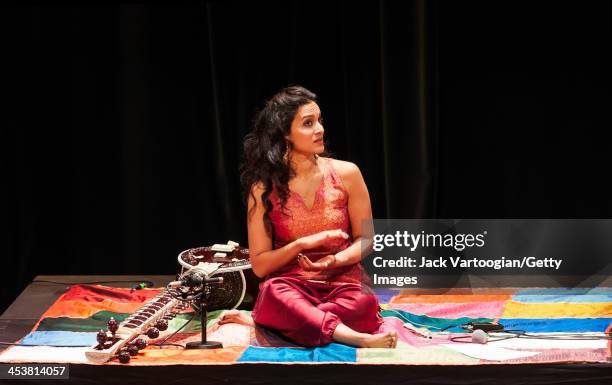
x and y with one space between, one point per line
514 309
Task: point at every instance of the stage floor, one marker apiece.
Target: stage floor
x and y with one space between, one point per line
20 318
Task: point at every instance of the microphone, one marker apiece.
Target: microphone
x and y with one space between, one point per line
194 280
479 336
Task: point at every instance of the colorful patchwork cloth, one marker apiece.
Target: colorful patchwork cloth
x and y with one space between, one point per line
553 318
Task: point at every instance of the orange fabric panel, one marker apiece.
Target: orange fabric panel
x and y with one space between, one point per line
79 309
95 298
97 293
169 356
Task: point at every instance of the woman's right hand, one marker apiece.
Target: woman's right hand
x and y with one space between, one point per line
315 240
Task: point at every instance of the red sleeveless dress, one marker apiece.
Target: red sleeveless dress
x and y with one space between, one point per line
305 306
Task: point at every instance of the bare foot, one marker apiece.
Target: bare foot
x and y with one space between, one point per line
383 340
236 316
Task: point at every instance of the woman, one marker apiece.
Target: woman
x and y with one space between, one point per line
304 227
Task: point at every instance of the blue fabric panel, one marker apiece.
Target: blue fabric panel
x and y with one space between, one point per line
330 353
570 298
566 291
560 325
384 294
59 338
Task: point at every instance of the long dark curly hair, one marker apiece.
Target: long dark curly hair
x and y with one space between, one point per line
264 159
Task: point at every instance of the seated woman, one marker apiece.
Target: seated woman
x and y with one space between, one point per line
304 225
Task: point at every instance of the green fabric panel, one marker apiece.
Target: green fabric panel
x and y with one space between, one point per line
90 324
99 320
431 323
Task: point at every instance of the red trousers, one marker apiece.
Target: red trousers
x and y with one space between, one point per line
308 312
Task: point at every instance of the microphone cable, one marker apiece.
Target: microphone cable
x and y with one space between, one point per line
137 285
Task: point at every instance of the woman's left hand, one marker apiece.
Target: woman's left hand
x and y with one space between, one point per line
324 263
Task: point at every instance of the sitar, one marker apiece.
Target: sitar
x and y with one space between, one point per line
149 323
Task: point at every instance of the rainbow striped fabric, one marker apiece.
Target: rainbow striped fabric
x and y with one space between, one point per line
74 319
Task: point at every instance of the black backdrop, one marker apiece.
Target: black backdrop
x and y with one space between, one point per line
123 123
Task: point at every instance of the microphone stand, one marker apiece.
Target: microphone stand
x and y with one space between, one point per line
204 344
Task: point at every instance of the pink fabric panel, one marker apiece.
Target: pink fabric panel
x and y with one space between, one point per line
492 309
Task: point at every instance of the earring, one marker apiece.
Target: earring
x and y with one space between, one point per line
287 151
